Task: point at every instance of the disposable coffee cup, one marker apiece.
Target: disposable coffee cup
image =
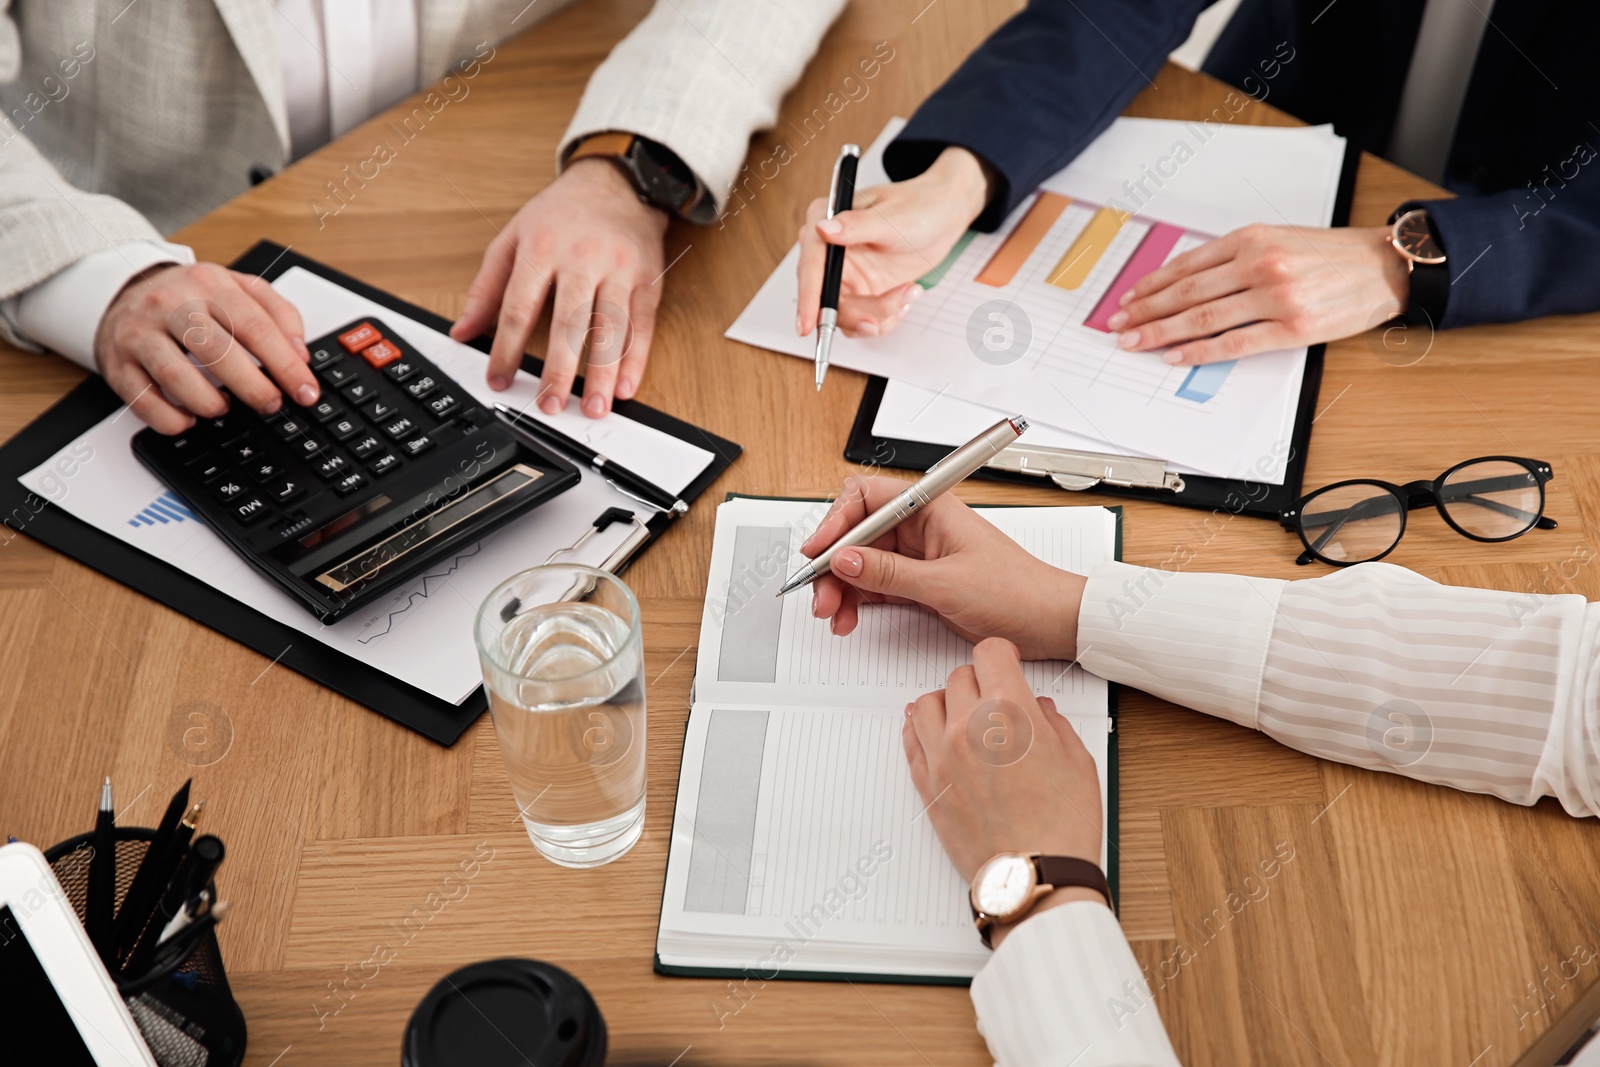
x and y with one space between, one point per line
506 1013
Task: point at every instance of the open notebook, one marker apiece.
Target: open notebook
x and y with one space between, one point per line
800 848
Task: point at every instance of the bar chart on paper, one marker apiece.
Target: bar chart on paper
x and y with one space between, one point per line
1106 254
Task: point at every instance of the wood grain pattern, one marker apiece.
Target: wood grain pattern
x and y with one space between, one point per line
1413 926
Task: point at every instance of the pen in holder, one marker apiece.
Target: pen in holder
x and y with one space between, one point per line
183 1008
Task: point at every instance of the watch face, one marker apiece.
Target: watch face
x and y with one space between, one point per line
1004 884
1414 237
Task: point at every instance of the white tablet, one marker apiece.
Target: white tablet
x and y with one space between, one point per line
60 1005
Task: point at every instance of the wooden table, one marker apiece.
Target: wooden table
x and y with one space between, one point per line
1406 930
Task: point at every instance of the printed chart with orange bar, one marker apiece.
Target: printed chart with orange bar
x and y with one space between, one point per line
1097 237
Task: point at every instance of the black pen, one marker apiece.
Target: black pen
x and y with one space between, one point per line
194 872
841 194
626 480
141 893
102 876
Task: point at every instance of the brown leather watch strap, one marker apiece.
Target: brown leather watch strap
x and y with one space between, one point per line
1060 871
610 144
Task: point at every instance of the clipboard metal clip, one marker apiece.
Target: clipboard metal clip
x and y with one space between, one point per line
1077 471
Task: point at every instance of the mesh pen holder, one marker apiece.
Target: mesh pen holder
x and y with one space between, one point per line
185 1011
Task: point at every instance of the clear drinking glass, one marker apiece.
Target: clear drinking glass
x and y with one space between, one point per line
563 664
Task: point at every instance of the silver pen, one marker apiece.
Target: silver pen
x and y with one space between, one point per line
841 194
942 477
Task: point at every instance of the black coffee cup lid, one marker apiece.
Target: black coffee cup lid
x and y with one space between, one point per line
506 1013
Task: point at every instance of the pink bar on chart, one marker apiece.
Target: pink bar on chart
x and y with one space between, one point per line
1151 253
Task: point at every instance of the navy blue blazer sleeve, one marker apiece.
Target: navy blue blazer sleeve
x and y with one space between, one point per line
1527 252
1043 86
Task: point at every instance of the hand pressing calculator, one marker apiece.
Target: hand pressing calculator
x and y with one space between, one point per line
394 467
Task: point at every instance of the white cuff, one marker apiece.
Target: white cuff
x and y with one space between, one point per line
1199 640
63 312
1064 987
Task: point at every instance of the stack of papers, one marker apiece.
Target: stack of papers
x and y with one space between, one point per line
1013 322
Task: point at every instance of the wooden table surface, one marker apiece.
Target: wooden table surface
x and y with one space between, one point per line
1414 925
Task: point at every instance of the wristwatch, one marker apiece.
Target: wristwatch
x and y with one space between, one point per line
1009 884
660 177
1411 233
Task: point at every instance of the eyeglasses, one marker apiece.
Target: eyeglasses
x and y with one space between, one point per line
1494 498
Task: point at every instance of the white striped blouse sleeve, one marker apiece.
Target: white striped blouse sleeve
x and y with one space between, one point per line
1373 665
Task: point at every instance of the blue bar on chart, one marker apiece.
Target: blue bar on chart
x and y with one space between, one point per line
1204 381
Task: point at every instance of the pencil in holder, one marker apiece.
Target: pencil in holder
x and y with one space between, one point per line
184 1009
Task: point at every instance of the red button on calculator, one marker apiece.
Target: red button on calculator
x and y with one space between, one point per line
360 337
381 354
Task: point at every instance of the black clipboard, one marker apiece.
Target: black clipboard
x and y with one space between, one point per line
1235 496
439 720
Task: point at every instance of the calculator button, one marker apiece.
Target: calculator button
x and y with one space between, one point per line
265 471
287 428
359 392
243 452
350 483
331 467
205 468
363 447
443 406
423 387
399 428
249 510
324 356
344 429
381 354
227 489
285 490
399 372
222 429
384 464
338 374
325 410
378 410
307 447
417 445
354 340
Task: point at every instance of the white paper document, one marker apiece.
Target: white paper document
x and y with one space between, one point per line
1014 321
799 843
421 633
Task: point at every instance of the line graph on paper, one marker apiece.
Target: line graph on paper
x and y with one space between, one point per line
1067 262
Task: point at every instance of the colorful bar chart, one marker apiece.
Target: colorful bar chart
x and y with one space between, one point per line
1151 253
1019 245
1086 251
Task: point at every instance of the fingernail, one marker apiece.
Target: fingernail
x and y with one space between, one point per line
868 329
909 707
306 395
624 388
1174 356
300 343
1122 301
1118 321
799 329
816 594
274 405
498 383
913 294
551 405
1129 339
595 406
830 226
848 563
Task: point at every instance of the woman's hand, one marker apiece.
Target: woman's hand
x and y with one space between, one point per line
952 561
1263 288
895 233
1044 797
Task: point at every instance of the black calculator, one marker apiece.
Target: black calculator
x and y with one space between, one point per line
395 467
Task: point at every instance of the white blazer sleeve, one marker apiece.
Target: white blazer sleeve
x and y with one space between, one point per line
702 76
1064 988
1373 665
